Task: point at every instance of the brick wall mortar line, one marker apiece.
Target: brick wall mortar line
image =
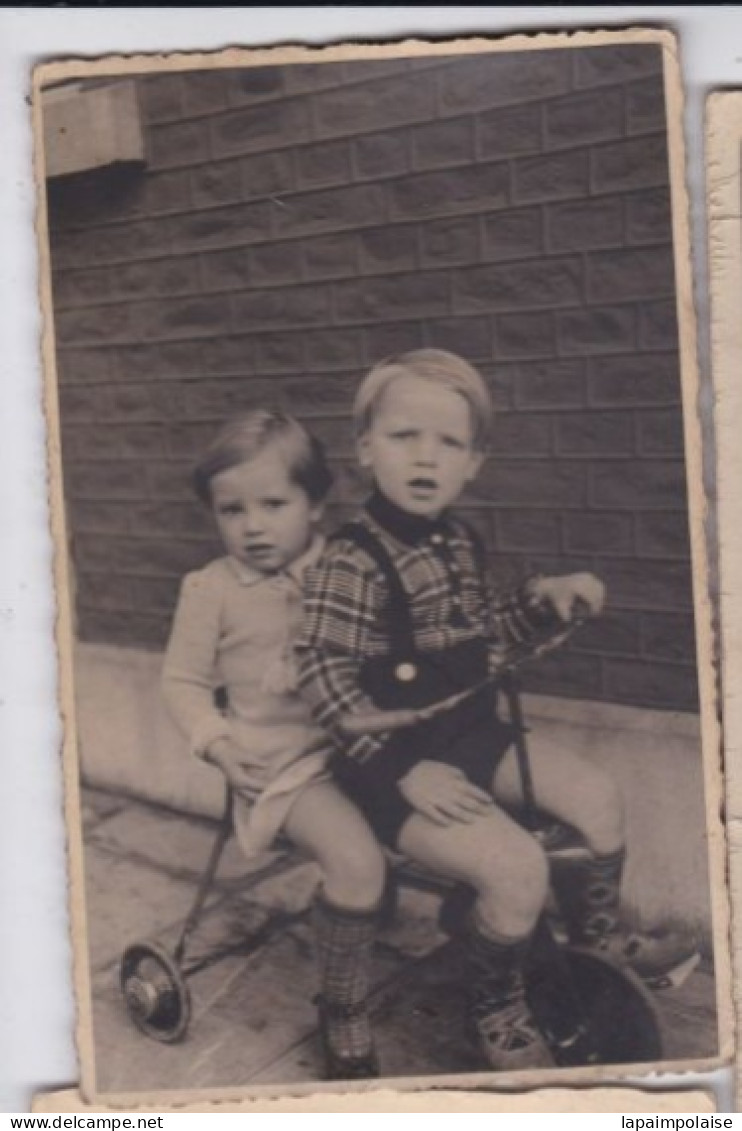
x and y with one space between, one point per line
584 279
573 72
349 80
477 127
405 273
313 124
590 457
636 436
356 178
438 114
544 206
293 374
592 191
553 436
165 214
133 535
290 148
86 347
528 100
382 272
202 115
625 117
543 146
510 159
635 536
200 273
231 245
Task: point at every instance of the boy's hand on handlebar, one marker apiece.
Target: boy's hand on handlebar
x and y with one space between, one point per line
442 793
574 595
228 756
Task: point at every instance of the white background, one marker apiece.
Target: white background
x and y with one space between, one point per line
36 1008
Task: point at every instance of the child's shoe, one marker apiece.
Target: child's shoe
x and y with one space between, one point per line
507 1033
660 959
588 893
347 1043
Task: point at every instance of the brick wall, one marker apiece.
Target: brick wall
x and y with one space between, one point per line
293 225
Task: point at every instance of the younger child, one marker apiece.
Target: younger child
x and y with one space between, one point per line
398 615
265 480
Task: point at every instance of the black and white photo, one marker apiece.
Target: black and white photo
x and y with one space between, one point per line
372 396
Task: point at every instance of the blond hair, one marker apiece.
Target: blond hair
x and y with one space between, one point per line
439 367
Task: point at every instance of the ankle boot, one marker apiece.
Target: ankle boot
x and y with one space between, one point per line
506 1031
588 893
344 939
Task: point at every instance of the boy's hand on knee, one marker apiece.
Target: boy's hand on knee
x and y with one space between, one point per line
229 758
443 794
576 594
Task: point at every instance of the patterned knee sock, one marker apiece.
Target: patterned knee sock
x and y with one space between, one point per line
507 1033
589 898
494 962
344 939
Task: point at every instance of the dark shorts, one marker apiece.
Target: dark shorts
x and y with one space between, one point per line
470 737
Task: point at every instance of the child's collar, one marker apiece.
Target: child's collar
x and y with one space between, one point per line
410 529
246 575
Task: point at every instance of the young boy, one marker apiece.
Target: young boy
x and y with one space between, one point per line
399 615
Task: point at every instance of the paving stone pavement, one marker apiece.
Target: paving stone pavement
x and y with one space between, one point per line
252 1020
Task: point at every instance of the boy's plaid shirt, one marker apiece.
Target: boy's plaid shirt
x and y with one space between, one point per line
347 615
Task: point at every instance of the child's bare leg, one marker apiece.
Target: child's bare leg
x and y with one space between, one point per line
492 854
585 796
508 871
573 790
328 826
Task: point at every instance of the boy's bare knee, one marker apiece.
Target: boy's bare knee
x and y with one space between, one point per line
513 897
360 871
529 874
604 814
518 882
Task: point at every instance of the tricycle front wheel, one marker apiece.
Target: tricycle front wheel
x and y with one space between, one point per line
155 992
595 1011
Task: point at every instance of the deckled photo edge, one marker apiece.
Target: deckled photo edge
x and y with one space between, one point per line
231 56
698 503
724 208
64 631
546 1100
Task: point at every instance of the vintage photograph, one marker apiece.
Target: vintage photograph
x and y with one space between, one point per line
391 748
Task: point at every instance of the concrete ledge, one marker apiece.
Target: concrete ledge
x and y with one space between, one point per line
127 740
128 743
589 714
